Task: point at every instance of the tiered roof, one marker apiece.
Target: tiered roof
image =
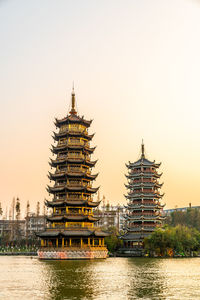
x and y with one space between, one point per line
144 206
72 191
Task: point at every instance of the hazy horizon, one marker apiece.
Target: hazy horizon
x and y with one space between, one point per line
136 70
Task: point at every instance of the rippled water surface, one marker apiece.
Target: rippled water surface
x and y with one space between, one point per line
114 278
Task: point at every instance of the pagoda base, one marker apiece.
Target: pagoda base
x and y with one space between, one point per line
72 253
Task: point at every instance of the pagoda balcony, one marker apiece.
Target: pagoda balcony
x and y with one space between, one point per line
63 227
64 213
143 174
71 184
74 184
145 214
142 217
72 198
74 130
72 156
143 194
140 228
135 184
79 143
142 203
72 143
73 170
144 208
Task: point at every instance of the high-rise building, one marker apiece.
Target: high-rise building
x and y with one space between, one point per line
71 231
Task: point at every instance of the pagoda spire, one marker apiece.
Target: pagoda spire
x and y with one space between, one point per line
73 110
142 149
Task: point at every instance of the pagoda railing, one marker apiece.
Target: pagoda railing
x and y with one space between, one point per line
70 198
143 204
73 156
145 214
76 143
50 227
73 248
74 130
73 170
75 184
143 173
69 184
64 213
136 217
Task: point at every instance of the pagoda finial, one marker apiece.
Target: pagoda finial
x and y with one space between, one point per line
73 110
142 148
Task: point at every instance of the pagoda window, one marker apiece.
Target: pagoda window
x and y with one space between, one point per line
62 168
59 225
63 128
76 154
74 140
73 196
73 210
60 182
61 141
74 182
74 126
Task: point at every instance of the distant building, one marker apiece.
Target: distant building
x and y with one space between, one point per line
15 230
34 224
12 229
167 212
110 216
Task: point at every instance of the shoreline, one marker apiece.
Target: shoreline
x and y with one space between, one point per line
18 253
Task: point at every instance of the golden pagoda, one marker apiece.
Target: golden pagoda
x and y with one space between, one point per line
70 229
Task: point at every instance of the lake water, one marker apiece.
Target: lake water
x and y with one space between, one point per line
113 278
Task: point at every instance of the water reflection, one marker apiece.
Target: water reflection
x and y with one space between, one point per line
129 278
69 279
113 279
145 280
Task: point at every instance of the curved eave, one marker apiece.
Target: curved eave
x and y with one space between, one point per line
72 218
48 234
144 195
82 161
57 136
84 203
56 189
145 218
143 163
144 175
71 175
77 232
146 207
57 149
144 185
71 119
54 163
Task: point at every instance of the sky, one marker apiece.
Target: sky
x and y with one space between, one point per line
136 69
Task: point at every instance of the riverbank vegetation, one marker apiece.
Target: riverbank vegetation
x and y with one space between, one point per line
173 241
189 218
113 242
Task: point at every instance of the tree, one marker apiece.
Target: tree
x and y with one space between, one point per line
27 208
1 210
181 240
18 211
113 242
38 208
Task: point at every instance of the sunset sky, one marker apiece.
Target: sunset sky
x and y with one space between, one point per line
136 68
